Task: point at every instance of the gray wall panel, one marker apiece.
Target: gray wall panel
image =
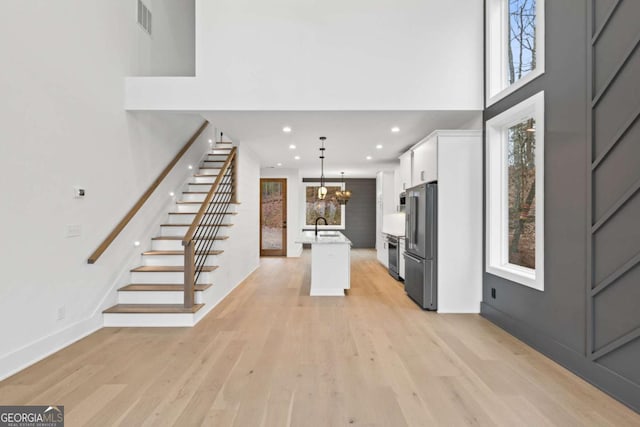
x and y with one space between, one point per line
625 362
618 37
617 241
612 177
616 310
360 227
620 103
593 332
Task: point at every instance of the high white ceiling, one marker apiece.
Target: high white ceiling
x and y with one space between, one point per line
351 136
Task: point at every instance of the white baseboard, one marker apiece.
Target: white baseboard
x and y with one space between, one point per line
17 360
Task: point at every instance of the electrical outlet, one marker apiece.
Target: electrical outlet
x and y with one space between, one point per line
62 312
74 230
493 293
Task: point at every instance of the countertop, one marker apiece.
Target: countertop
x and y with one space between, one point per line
324 237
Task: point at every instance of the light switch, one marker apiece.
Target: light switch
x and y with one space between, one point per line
79 192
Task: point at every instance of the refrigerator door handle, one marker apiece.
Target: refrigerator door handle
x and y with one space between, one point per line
412 258
414 216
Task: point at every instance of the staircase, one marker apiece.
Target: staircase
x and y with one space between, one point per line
156 294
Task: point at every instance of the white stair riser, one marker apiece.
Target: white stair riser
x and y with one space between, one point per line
221 187
123 320
194 208
193 197
220 151
217 156
182 230
188 219
209 170
204 179
155 297
166 277
172 260
176 245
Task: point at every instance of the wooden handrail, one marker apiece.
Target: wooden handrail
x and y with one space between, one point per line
188 237
134 210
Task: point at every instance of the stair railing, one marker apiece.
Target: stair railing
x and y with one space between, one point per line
206 225
141 201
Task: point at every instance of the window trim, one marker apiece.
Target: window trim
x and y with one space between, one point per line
497 241
497 40
341 226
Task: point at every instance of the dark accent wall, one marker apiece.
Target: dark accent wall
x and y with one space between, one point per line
360 226
588 317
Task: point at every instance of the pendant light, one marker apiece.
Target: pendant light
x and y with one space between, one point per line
344 195
322 191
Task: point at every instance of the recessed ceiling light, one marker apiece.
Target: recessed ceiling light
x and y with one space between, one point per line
279 164
395 129
136 243
297 157
211 141
171 194
379 146
369 157
286 129
190 167
292 147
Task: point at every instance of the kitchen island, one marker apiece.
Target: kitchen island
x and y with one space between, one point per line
330 262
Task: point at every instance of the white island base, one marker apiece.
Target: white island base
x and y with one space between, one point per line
330 269
330 262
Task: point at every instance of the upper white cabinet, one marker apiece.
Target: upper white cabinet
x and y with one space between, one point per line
425 161
405 170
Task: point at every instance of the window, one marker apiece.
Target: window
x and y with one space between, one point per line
515 45
515 193
329 208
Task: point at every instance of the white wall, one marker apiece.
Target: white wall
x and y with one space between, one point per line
294 189
329 55
63 124
174 29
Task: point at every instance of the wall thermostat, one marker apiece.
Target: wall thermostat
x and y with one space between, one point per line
79 192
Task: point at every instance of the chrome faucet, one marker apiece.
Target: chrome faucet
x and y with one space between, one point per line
318 219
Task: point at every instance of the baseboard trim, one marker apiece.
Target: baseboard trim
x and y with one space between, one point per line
20 359
604 379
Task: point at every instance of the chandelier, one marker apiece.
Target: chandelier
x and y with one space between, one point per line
322 191
343 196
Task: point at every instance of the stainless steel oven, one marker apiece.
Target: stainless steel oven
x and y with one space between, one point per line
394 256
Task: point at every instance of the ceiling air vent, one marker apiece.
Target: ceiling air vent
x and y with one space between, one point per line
144 17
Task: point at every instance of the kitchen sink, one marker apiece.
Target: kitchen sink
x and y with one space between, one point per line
328 233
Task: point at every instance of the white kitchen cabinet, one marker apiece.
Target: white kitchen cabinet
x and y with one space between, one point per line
385 204
405 170
425 161
454 159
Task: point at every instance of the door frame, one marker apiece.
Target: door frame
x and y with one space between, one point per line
283 251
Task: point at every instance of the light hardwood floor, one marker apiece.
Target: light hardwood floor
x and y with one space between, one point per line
270 355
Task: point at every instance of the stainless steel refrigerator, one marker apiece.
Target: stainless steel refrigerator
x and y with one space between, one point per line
421 254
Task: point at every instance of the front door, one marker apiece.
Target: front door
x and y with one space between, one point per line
273 217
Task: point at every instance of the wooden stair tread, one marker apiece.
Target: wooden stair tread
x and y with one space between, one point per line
195 213
150 287
204 175
189 202
169 269
207 183
182 237
217 252
153 308
189 225
205 192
